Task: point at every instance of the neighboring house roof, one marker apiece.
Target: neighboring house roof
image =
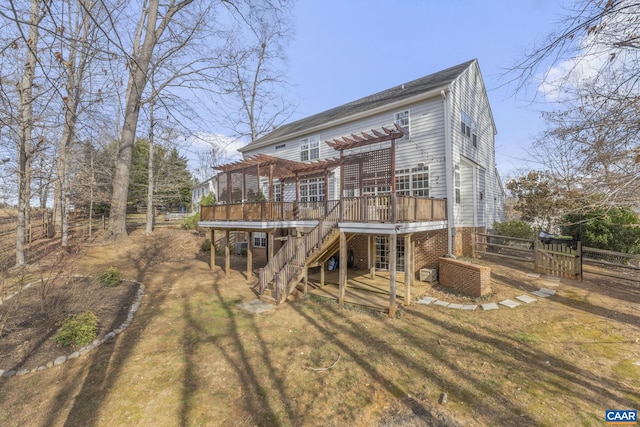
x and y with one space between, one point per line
398 93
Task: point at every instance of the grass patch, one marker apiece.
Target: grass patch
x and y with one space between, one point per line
525 338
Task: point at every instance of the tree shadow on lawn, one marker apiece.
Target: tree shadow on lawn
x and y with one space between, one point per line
89 390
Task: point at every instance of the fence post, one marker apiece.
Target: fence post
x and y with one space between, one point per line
579 254
473 244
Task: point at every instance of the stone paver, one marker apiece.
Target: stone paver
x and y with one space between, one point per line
441 303
541 294
509 303
455 306
469 307
256 306
427 300
534 275
490 306
526 299
548 291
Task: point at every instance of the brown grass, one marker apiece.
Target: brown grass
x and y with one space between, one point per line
192 357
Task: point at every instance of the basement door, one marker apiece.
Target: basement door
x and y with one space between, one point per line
382 253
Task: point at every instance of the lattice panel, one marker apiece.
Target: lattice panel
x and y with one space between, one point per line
236 186
367 170
252 184
223 179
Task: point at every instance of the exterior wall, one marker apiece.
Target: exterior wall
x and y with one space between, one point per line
425 144
469 279
359 246
468 94
429 247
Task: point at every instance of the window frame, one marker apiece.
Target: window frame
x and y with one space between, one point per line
259 239
402 117
311 190
309 149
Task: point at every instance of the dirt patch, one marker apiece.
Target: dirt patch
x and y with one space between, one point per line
33 316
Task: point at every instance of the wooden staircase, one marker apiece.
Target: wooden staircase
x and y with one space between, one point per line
287 268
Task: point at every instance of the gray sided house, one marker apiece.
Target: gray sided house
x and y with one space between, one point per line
390 182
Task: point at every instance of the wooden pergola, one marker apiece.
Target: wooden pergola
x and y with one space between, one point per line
377 162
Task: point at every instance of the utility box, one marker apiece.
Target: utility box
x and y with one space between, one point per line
428 275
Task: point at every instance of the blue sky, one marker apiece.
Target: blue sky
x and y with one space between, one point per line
346 49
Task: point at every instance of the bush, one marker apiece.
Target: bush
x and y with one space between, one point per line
206 246
78 331
110 278
518 229
191 223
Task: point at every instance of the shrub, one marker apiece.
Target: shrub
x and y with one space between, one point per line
518 229
191 222
110 278
206 246
78 330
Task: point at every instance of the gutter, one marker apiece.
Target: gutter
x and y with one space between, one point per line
448 167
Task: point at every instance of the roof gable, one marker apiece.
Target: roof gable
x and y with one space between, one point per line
389 96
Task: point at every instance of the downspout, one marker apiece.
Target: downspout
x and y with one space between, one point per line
448 167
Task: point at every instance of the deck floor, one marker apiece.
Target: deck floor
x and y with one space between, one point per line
364 291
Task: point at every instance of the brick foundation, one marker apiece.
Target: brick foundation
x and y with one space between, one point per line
466 278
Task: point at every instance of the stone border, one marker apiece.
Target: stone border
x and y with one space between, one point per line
86 349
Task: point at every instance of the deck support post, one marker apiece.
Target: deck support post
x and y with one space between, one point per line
372 256
322 274
342 267
393 240
212 238
305 280
269 245
408 268
249 237
227 253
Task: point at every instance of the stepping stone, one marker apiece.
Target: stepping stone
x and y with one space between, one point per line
534 275
541 294
256 306
526 299
427 300
551 284
455 306
552 278
510 303
469 307
548 291
441 303
490 306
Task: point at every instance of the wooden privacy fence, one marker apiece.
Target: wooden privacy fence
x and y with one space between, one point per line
558 260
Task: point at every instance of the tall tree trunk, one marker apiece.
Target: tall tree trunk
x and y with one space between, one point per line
25 133
150 182
139 65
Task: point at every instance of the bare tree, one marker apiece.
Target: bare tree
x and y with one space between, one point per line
151 26
590 69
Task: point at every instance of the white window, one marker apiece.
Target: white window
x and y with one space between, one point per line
413 181
312 190
401 118
468 128
277 191
309 149
260 240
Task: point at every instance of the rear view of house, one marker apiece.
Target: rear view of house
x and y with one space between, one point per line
390 182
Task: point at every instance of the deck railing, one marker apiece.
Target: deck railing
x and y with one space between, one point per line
354 209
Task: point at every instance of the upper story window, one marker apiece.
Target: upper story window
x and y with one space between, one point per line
309 149
401 118
456 184
413 181
468 128
312 190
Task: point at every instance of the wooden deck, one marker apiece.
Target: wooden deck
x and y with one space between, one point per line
364 291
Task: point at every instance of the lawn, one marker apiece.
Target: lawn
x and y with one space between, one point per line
192 357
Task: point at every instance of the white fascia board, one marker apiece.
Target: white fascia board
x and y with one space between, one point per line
424 96
387 228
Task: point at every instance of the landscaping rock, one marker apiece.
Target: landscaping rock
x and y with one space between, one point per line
60 360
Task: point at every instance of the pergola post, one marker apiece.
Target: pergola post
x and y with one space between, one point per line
393 240
227 254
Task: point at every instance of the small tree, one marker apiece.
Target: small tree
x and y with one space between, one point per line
616 229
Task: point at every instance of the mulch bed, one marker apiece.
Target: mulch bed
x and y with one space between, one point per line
29 322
